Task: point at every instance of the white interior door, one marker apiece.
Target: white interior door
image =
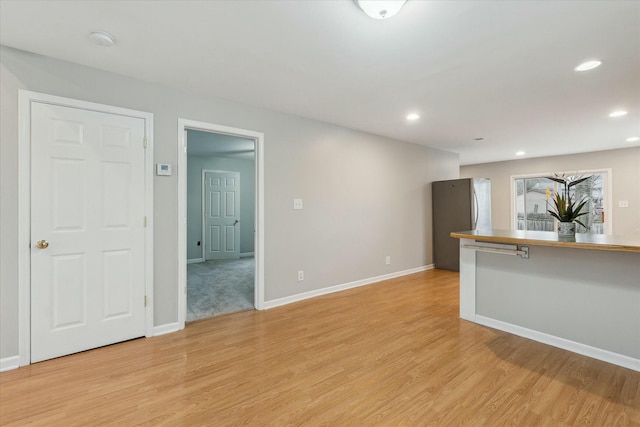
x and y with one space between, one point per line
87 205
221 206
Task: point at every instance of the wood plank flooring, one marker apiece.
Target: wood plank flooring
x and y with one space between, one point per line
391 354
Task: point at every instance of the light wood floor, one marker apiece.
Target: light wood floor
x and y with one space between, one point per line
393 353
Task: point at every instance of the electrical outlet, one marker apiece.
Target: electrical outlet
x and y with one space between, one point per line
388 260
623 203
297 204
300 276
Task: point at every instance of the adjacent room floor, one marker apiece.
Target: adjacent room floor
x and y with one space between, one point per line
219 287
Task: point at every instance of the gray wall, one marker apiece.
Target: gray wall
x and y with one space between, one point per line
195 165
365 196
624 163
591 297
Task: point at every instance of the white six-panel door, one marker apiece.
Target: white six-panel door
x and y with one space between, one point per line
87 230
221 203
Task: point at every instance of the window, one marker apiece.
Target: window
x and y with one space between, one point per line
531 201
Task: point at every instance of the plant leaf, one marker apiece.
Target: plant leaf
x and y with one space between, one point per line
578 181
580 222
559 180
553 214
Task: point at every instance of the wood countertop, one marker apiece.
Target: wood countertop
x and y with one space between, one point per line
600 242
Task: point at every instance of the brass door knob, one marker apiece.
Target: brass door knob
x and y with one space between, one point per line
42 244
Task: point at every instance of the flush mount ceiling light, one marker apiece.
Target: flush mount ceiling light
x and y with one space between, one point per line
588 65
520 153
633 139
413 116
618 113
380 9
102 39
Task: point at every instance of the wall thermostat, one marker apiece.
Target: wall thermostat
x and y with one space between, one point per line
163 169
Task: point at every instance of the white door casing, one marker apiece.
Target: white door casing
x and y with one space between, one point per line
221 214
259 240
89 199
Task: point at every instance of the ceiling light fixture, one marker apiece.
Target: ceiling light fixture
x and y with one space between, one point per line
588 65
380 9
102 39
520 153
633 139
618 113
413 116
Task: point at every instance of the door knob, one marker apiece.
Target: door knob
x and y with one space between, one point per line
42 244
236 222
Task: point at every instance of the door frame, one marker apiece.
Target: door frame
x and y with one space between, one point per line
258 138
203 198
25 99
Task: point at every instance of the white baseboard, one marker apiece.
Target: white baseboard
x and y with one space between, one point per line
166 329
337 288
194 260
576 347
246 254
9 363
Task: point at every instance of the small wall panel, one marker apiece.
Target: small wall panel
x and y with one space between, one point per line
116 185
68 291
68 132
115 137
230 208
68 193
230 241
214 204
214 238
117 283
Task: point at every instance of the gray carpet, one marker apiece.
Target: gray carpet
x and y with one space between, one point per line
219 287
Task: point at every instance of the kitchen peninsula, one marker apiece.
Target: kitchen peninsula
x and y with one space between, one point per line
582 295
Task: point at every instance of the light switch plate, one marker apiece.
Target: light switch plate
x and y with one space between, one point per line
623 203
297 203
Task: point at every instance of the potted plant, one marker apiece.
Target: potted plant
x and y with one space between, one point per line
566 210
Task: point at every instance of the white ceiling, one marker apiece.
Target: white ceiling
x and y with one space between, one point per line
500 70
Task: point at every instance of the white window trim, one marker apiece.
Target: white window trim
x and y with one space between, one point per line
608 199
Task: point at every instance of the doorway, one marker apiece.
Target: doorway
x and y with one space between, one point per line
220 185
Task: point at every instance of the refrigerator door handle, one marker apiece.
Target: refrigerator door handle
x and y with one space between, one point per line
475 199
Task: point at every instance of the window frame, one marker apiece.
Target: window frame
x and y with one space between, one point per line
606 173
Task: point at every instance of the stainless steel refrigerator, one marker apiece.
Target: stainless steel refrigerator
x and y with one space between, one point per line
458 205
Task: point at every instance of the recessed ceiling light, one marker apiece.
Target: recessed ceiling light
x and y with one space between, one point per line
102 39
413 116
618 113
520 153
588 65
633 139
